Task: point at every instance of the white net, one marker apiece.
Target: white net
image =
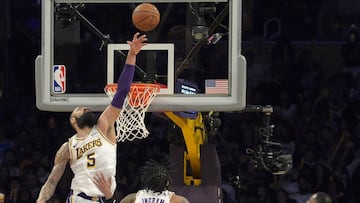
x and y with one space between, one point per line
130 123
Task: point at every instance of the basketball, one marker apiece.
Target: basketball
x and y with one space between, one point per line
146 17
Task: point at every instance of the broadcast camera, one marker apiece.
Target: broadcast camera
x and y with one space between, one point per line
268 154
199 29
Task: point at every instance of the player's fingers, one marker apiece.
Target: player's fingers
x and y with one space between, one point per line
101 177
143 39
142 36
96 178
136 35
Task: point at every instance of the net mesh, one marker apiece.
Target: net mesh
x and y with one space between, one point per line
130 123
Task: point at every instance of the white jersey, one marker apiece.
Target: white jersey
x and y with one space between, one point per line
148 196
90 155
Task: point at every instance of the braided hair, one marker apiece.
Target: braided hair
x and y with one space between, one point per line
154 176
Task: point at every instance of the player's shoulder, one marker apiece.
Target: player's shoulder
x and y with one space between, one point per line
130 198
178 199
64 145
63 153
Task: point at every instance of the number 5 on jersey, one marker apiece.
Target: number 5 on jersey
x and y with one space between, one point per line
91 160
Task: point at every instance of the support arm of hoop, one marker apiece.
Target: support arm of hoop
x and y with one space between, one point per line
194 135
124 83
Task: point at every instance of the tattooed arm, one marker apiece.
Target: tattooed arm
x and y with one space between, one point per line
61 159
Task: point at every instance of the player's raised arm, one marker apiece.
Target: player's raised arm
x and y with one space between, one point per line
108 117
61 159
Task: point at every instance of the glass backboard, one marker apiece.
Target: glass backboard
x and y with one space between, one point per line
194 53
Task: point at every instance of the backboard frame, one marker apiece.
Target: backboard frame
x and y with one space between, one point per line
150 46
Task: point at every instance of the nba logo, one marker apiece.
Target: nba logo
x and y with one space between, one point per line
59 78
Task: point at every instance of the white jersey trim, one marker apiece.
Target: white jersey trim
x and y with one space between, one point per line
106 138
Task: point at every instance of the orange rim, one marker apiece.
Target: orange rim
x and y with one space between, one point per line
140 86
135 90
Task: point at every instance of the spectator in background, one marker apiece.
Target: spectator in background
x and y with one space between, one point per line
282 59
307 74
304 188
350 53
10 163
5 143
2 191
282 196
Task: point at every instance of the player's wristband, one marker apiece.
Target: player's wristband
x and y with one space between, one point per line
124 83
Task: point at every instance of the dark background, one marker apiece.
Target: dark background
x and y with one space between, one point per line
307 72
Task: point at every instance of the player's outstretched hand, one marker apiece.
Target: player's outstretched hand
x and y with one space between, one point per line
103 184
137 43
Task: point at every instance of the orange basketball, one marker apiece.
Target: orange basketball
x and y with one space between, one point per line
145 17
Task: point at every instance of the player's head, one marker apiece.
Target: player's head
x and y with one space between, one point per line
319 197
155 176
82 117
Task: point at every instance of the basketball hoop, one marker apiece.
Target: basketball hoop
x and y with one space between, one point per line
130 123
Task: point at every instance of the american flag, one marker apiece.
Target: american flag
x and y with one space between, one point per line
216 86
